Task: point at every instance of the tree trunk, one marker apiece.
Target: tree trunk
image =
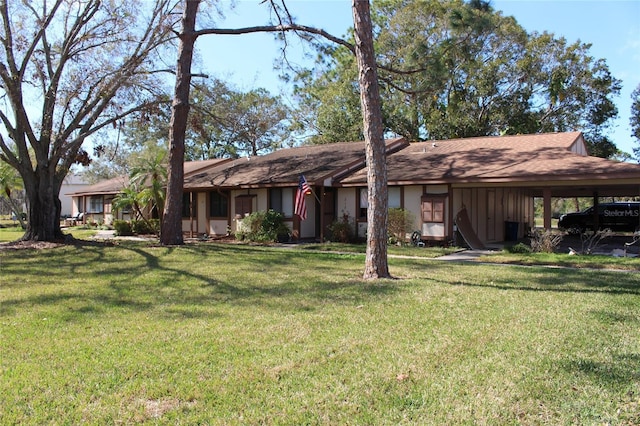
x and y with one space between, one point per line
376 259
44 207
171 231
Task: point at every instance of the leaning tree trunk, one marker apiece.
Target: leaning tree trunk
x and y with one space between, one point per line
376 260
171 231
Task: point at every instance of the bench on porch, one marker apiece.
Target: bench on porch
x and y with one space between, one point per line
74 220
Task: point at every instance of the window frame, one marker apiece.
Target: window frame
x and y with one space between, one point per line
286 201
188 213
93 200
433 215
218 209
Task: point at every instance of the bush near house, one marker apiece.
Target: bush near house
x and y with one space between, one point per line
145 227
341 231
400 223
122 228
263 227
136 227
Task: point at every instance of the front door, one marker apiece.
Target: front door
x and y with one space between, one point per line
328 210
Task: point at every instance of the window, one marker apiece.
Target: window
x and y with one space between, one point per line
394 194
189 205
363 203
96 204
281 200
218 204
395 197
108 205
433 209
244 205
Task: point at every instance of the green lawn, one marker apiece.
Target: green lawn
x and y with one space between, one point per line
565 260
11 232
226 334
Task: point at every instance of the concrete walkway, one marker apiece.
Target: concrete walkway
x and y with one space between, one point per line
110 234
465 255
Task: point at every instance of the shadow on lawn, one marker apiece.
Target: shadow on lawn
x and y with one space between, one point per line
154 285
621 369
542 279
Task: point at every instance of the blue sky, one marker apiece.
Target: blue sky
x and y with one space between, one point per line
611 26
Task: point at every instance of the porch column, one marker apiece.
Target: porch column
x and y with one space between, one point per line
546 195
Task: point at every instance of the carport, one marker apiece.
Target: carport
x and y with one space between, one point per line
592 177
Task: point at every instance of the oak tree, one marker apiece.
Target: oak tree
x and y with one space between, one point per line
69 68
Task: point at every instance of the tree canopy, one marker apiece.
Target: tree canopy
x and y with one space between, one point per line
635 119
69 68
223 122
450 69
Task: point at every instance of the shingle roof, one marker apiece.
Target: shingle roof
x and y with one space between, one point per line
536 157
109 186
116 184
284 167
194 166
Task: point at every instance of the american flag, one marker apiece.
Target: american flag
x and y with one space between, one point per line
301 206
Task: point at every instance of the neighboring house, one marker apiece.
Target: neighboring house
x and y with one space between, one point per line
494 180
71 183
95 201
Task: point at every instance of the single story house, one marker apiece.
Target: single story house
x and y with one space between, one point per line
495 180
95 201
228 192
71 183
485 186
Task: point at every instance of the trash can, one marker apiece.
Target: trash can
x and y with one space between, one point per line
511 231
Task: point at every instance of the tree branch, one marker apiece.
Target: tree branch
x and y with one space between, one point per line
277 28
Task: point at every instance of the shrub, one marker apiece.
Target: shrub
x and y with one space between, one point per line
142 227
545 241
590 240
341 231
400 223
263 226
122 227
520 248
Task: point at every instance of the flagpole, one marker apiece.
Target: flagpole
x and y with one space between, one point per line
315 196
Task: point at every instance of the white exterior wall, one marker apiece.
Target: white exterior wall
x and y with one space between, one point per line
412 195
579 147
203 213
346 203
70 185
218 227
261 202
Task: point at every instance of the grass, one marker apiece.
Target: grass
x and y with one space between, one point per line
12 232
427 252
230 334
564 260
